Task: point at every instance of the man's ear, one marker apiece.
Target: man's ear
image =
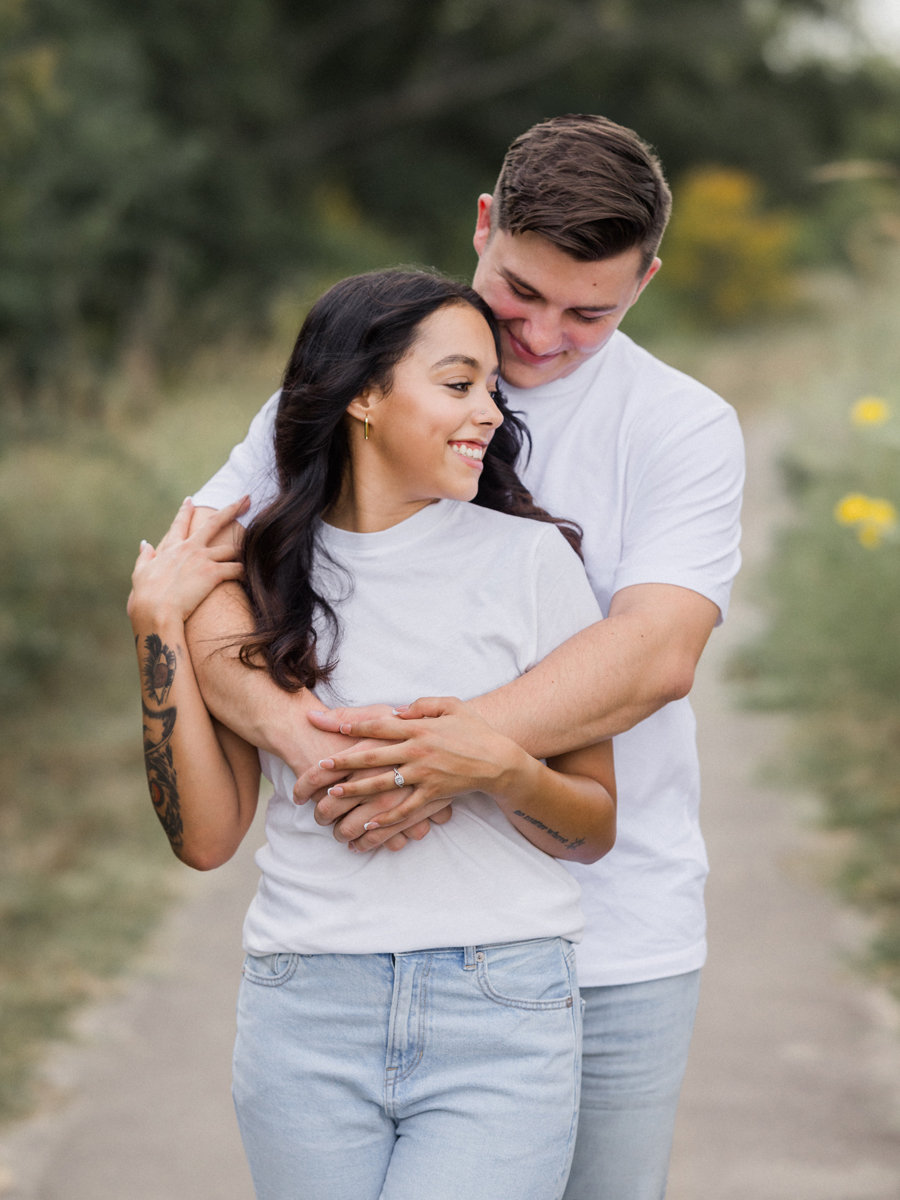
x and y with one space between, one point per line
483 224
648 275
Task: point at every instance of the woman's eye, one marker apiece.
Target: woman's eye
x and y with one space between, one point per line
460 387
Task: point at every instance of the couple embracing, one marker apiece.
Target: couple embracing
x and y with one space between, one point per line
484 534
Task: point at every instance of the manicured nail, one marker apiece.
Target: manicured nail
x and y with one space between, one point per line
144 543
187 500
350 846
327 764
335 791
399 709
346 728
371 825
314 712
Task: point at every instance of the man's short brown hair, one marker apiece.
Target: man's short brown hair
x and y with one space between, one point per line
587 185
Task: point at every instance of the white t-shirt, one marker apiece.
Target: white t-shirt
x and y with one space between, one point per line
456 600
650 463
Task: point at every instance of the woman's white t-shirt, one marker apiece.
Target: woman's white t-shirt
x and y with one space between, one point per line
455 601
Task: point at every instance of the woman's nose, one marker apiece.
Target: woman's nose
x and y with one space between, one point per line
488 413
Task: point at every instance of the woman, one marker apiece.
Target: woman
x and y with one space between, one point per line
408 1025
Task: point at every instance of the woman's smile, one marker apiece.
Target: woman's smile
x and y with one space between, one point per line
472 451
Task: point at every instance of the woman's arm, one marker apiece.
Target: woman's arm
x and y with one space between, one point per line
566 808
204 780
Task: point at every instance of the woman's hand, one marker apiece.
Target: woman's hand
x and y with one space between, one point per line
172 580
464 754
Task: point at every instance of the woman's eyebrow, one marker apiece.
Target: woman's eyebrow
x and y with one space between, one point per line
457 358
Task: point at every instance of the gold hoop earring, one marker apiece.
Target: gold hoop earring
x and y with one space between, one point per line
366 429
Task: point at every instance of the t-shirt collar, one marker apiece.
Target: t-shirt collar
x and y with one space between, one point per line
413 529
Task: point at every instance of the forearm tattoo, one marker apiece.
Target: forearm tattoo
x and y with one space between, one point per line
158 669
158 673
570 844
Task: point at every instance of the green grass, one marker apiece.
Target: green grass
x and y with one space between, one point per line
830 651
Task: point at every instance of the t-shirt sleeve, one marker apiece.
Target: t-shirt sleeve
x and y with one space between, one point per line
682 523
564 601
250 469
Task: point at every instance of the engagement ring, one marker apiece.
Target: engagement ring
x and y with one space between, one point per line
398 778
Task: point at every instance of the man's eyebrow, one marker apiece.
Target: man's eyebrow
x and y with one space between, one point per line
529 287
457 358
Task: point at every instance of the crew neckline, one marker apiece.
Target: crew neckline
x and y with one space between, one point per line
412 529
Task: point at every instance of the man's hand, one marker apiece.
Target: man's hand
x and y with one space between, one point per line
463 755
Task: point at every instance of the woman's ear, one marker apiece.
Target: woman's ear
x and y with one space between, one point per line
363 405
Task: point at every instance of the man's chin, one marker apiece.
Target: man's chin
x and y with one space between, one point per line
520 374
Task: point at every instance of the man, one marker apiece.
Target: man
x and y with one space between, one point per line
650 464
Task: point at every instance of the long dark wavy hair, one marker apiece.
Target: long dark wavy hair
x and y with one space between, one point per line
351 341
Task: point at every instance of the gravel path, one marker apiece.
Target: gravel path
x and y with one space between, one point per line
792 1093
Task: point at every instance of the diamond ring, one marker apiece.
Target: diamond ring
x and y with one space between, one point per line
398 778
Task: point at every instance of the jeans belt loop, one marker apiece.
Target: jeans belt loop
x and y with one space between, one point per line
469 952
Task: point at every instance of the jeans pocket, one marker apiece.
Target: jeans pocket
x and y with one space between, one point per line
270 970
529 975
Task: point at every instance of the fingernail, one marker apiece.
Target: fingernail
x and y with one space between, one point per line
327 764
144 543
335 791
346 728
186 500
399 709
371 825
350 846
314 712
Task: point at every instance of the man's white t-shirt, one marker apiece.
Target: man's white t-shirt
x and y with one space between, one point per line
650 463
456 600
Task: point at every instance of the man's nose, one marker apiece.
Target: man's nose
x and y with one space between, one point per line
542 334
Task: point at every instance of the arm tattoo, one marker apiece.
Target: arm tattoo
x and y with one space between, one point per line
158 673
570 844
159 668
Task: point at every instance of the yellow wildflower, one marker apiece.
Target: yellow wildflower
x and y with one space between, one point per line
870 410
872 516
853 508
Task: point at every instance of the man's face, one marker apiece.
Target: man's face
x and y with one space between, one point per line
554 311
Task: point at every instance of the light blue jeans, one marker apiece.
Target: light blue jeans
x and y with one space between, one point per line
435 1075
636 1040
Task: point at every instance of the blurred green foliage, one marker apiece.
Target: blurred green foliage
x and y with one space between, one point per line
830 652
164 163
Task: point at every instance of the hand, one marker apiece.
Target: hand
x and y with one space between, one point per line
440 746
172 580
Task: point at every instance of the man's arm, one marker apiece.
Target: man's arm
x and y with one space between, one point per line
599 683
610 676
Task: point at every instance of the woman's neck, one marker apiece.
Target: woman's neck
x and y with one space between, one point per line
368 509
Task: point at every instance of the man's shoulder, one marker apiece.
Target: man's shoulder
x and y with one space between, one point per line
653 385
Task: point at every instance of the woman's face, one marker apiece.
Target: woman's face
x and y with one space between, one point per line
428 434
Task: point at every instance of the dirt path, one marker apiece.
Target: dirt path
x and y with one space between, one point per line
793 1090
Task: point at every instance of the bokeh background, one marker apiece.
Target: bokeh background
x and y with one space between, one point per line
178 178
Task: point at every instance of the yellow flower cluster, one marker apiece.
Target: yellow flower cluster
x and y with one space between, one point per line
870 410
873 518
